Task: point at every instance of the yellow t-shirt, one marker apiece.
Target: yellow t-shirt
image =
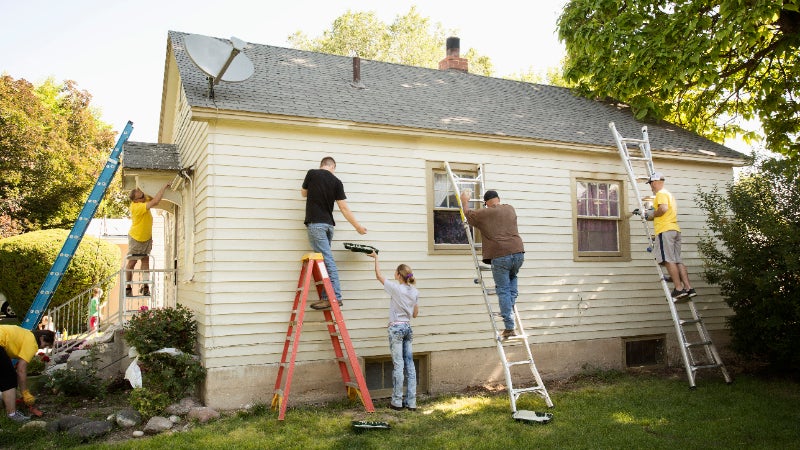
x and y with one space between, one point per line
18 342
669 220
142 226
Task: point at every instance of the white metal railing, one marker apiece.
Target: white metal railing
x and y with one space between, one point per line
71 320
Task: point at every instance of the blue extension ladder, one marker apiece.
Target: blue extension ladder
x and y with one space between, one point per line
48 288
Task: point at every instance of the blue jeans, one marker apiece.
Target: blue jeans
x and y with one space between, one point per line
504 272
320 236
400 337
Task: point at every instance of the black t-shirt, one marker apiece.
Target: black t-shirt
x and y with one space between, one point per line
323 190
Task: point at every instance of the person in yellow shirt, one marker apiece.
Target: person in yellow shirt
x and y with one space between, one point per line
20 344
140 236
668 237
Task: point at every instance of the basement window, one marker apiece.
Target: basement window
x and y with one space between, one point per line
644 351
378 374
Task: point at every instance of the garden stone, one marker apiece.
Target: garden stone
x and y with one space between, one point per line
91 430
203 414
138 433
34 424
182 408
157 425
75 357
65 423
174 419
128 418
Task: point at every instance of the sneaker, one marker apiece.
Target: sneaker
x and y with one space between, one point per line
691 293
508 334
680 296
128 292
17 416
146 291
396 408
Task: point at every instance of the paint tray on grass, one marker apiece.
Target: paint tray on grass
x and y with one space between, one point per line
364 425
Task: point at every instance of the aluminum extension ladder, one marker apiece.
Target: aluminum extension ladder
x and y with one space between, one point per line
477 185
314 268
56 273
637 152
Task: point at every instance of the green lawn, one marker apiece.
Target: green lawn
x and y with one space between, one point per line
605 411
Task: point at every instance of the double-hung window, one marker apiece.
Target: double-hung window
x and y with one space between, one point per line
600 228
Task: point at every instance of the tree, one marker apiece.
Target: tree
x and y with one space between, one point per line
751 252
52 148
707 66
410 40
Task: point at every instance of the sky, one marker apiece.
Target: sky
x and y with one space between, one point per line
116 50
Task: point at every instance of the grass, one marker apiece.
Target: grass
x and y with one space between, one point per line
608 410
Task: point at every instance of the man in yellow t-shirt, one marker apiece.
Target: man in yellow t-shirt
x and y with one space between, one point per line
22 345
668 237
140 236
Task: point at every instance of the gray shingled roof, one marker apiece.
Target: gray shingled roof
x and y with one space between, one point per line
317 85
143 155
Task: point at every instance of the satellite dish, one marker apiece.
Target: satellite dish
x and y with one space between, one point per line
221 61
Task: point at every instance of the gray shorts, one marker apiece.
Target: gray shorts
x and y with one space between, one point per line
668 247
139 249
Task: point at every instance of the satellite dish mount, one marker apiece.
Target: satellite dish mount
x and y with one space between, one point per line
219 60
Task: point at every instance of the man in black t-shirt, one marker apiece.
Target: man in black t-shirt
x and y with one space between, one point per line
322 188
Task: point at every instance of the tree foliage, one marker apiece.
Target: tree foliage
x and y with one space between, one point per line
703 65
751 252
52 149
410 40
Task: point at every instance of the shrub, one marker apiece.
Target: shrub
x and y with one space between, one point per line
25 261
164 376
174 375
751 252
37 364
78 381
148 402
154 329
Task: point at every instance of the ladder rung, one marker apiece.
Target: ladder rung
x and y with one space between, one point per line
528 389
697 344
638 158
690 321
518 363
706 366
484 268
491 291
336 333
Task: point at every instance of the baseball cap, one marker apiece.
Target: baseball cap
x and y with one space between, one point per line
656 176
490 195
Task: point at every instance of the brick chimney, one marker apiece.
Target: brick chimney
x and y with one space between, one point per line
452 61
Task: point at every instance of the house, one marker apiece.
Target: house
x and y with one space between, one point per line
235 216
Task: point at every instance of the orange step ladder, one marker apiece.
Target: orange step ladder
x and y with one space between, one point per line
314 267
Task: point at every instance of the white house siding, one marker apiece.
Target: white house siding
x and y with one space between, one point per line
250 239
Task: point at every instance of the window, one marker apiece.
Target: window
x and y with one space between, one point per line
644 351
378 375
600 226
446 229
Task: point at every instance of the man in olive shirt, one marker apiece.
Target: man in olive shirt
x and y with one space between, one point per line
501 247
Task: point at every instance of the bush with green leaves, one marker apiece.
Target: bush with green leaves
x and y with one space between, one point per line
81 380
164 375
149 402
25 261
158 328
752 251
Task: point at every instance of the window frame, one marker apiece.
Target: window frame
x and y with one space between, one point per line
623 224
431 168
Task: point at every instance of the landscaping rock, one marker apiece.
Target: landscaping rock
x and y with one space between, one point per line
157 425
91 430
138 433
182 408
65 423
174 419
203 414
128 418
34 424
